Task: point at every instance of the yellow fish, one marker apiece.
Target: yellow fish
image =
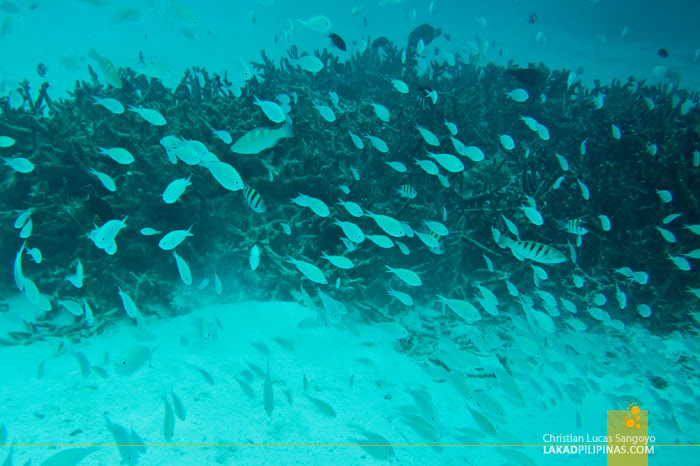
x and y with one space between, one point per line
259 139
110 73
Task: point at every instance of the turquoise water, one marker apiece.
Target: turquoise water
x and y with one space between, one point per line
465 238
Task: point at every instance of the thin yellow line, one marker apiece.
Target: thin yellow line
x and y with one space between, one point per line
332 445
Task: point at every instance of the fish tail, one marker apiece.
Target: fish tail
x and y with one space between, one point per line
286 131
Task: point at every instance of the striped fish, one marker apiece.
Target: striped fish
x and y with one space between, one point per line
575 227
533 251
407 191
440 248
254 200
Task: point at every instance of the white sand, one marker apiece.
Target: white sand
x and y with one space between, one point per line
327 356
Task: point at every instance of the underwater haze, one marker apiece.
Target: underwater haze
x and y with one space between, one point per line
305 232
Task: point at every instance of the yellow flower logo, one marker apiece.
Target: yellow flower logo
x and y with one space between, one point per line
632 419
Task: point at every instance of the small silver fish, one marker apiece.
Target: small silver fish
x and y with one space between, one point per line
268 394
168 420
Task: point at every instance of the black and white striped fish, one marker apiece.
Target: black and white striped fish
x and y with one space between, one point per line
575 227
440 248
254 199
533 251
407 191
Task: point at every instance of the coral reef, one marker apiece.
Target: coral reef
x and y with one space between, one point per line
62 137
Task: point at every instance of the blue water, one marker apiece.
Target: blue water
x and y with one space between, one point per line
230 351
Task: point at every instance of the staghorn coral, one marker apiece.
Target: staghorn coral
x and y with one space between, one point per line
620 174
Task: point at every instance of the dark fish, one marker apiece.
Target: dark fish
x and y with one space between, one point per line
41 70
425 32
245 387
101 208
663 52
293 52
379 42
207 377
83 363
337 41
262 347
532 18
533 80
